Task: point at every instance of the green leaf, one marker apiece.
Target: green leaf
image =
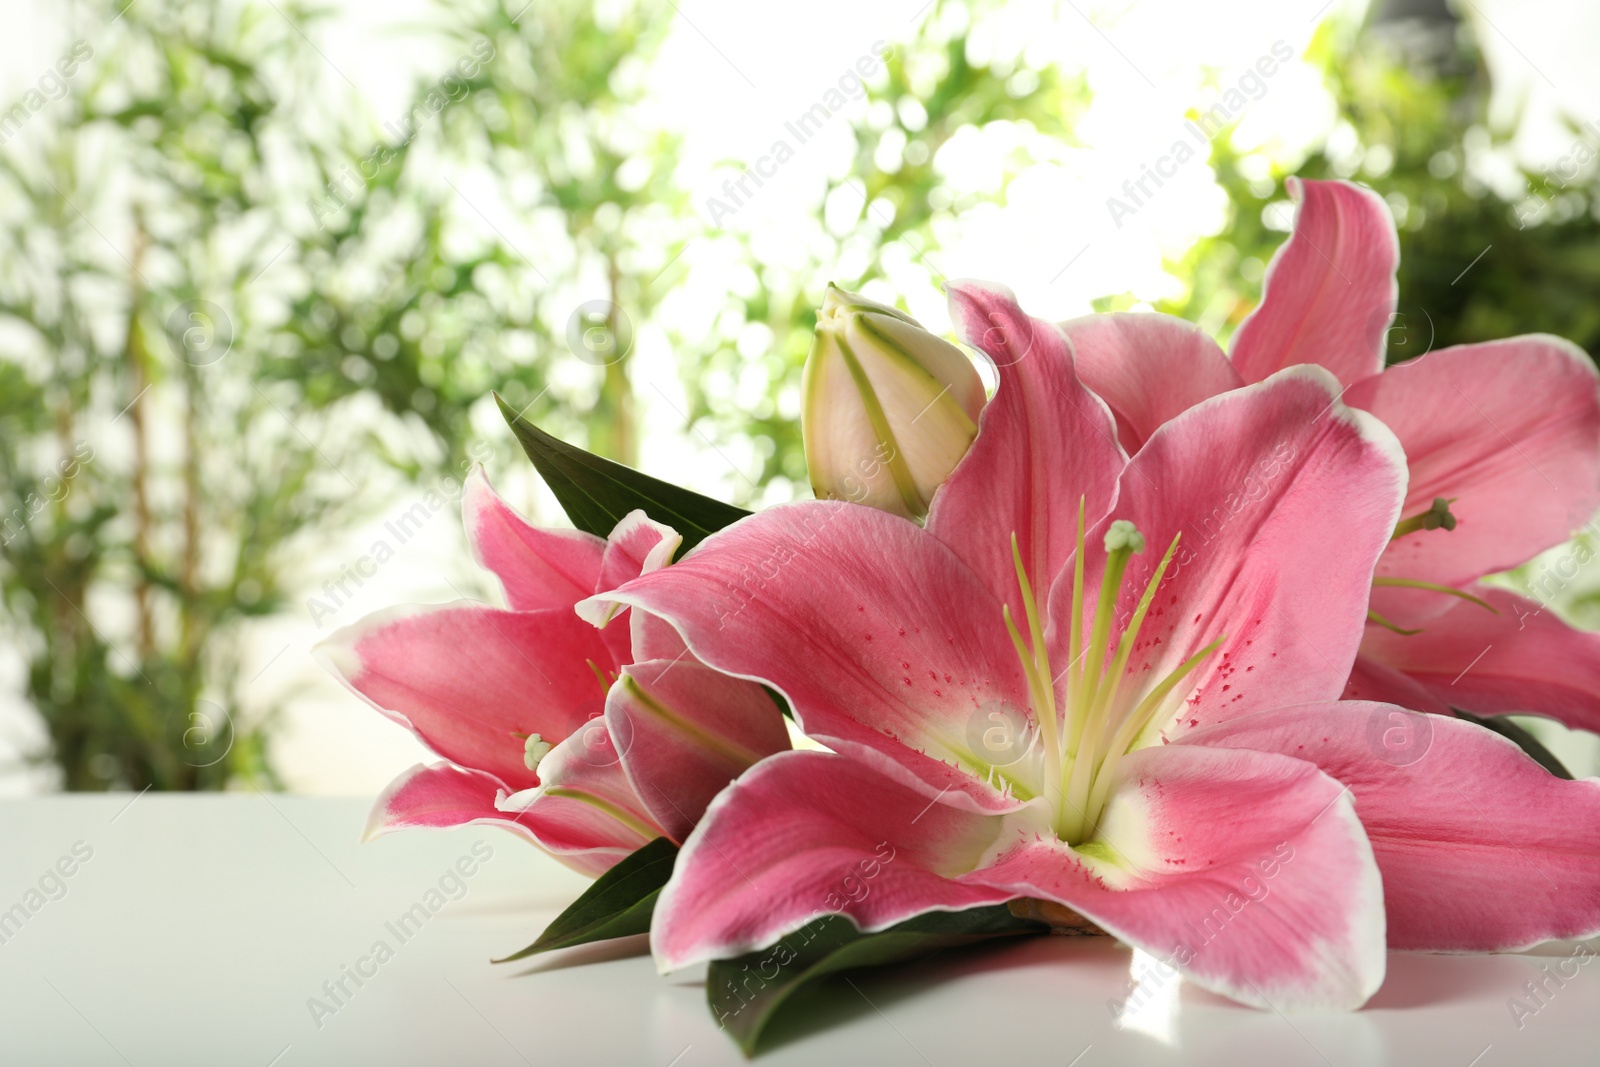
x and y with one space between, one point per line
1523 739
596 493
746 993
617 905
778 699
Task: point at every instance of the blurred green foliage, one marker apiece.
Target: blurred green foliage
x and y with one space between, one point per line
1488 248
207 291
895 197
151 488
466 292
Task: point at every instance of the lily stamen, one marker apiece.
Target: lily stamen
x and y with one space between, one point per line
535 749
1388 624
1076 667
1082 750
1042 681
1093 754
1437 517
605 678
1435 587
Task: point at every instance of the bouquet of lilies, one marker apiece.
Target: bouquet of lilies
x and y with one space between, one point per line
1186 648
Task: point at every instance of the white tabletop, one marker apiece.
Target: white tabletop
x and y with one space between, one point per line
199 928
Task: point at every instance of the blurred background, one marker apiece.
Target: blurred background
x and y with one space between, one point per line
262 263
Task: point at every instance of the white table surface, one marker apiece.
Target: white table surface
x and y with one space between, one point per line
201 925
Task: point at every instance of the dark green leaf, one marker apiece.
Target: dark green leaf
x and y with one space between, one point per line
1523 739
617 905
596 493
746 993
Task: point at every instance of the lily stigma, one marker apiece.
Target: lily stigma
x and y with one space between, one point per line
1225 776
1083 737
1437 517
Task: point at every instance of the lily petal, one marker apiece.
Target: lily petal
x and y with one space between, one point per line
1284 499
1330 290
442 795
654 638
895 651
1247 871
471 682
584 810
1509 432
1523 659
689 731
636 546
439 795
538 568
1149 368
1481 849
1043 443
806 834
1372 679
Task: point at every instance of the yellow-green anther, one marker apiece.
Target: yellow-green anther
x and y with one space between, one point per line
534 749
1437 517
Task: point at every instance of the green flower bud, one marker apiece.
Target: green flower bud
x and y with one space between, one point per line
889 409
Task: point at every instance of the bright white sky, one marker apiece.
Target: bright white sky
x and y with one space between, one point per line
733 72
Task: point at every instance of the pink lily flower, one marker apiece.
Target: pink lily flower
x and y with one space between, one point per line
1065 689
997 743
588 743
1502 438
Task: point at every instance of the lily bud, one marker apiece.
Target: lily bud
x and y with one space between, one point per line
889 408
